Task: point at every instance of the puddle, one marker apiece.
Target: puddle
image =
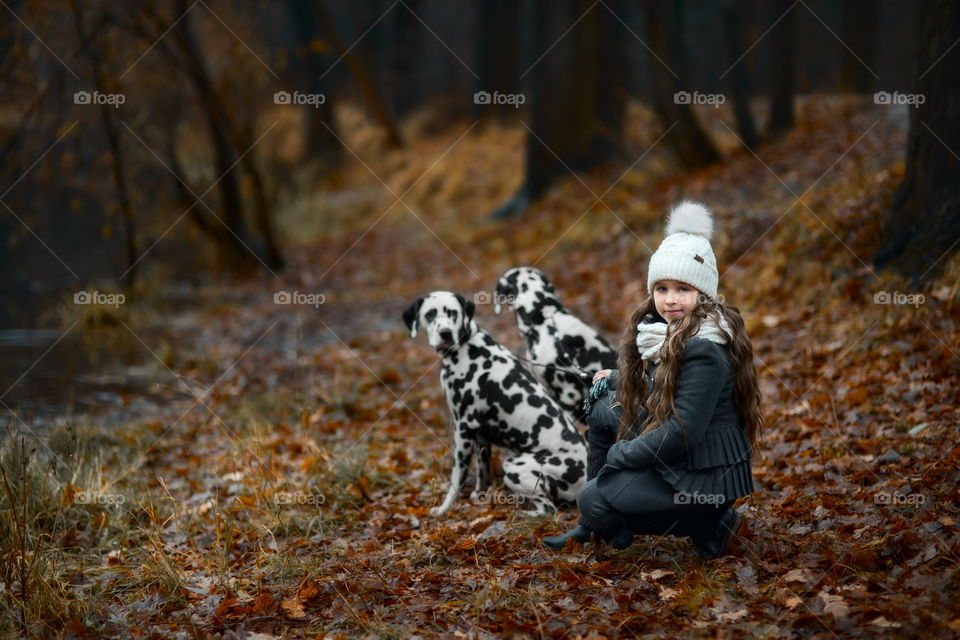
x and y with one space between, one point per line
45 375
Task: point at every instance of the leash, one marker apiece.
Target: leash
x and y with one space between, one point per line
580 373
596 391
585 377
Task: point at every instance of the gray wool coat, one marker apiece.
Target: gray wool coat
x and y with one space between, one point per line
708 458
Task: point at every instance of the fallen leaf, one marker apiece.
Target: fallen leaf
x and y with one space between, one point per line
294 607
833 604
797 575
731 616
884 623
69 494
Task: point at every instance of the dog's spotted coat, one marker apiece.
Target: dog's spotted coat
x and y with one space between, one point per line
557 341
494 400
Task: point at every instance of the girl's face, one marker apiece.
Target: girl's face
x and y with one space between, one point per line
674 299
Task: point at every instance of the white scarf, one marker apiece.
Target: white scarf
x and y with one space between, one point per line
650 335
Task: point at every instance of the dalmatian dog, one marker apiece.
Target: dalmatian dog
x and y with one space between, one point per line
558 343
494 400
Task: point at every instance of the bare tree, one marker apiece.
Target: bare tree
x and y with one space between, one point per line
686 137
370 91
497 57
782 68
732 27
92 47
198 71
576 119
311 69
231 143
861 19
923 226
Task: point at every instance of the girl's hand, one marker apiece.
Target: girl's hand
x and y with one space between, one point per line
599 375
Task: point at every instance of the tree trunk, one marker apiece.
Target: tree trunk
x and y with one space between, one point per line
497 58
611 83
233 243
262 216
923 227
225 240
235 253
686 138
91 47
186 196
782 69
576 119
739 83
369 90
860 22
310 66
403 34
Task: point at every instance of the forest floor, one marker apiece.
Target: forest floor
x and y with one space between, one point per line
282 487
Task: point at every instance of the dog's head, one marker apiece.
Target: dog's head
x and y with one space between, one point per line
523 288
529 293
446 316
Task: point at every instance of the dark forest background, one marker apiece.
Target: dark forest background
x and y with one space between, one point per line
112 180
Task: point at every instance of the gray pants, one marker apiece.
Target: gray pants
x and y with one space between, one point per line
654 511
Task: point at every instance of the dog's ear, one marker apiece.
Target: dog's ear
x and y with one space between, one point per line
506 290
411 317
547 285
468 308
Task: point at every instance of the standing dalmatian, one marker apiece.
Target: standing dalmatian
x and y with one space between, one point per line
558 342
494 400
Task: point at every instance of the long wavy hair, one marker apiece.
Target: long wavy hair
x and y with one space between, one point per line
631 386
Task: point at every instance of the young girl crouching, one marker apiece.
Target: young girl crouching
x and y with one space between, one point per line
672 432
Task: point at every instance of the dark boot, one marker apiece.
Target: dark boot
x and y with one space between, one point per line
654 523
622 539
716 540
579 533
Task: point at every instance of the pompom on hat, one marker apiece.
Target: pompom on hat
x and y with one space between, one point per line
685 254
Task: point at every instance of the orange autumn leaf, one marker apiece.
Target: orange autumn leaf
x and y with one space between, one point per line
69 494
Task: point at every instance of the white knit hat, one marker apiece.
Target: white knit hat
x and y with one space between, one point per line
685 254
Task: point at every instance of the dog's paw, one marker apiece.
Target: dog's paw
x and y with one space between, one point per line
538 507
436 511
533 513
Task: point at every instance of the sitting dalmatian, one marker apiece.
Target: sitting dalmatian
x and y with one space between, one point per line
558 342
496 401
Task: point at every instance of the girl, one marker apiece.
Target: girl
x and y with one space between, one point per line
671 453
